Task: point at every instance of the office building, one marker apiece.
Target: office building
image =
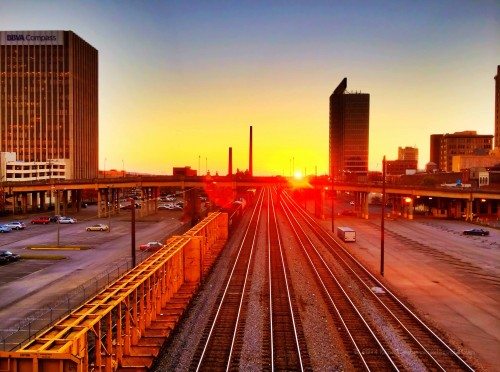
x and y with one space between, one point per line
435 149
349 133
497 108
49 100
458 143
408 153
462 162
399 167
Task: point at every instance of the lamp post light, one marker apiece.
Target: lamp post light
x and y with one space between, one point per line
382 221
333 204
109 210
132 231
57 222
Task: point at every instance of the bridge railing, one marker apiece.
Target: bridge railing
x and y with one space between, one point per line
102 333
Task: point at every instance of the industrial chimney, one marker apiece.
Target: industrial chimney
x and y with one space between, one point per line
230 166
250 165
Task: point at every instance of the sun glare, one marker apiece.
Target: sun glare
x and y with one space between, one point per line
298 175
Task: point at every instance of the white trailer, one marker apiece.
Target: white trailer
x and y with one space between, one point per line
346 234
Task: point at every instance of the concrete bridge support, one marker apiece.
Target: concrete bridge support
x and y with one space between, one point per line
24 202
319 202
410 208
469 210
43 195
98 204
364 206
33 201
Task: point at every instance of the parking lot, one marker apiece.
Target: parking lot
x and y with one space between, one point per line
16 270
44 276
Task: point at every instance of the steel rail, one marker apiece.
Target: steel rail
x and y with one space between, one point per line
221 303
269 273
289 215
327 239
286 282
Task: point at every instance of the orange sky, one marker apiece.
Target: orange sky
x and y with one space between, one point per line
179 81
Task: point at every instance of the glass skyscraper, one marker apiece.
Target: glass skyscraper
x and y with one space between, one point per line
349 133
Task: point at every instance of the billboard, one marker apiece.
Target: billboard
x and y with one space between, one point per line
31 38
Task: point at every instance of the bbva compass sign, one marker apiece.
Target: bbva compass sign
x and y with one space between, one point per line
31 38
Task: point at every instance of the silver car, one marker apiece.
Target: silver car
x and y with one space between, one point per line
66 220
5 229
16 225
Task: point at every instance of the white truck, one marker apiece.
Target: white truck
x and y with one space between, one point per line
346 234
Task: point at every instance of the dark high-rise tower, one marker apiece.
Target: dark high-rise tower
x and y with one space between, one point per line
349 132
497 108
49 99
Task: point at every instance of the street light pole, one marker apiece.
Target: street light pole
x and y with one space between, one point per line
382 222
333 203
58 224
132 232
109 211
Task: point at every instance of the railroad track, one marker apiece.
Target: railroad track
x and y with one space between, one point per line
367 350
425 347
220 345
286 349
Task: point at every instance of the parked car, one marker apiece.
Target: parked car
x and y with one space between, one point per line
42 220
98 227
9 256
16 225
54 218
480 232
66 220
151 246
129 206
5 229
347 212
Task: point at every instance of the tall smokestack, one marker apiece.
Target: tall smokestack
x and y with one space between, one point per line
250 165
230 166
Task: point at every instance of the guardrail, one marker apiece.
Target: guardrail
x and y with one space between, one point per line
125 324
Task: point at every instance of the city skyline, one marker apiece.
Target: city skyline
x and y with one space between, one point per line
180 82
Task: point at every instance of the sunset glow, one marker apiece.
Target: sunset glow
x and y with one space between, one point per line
181 88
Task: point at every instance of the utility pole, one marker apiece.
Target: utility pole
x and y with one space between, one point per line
132 231
110 203
333 203
382 222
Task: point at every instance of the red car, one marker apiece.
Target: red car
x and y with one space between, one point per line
42 220
151 246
